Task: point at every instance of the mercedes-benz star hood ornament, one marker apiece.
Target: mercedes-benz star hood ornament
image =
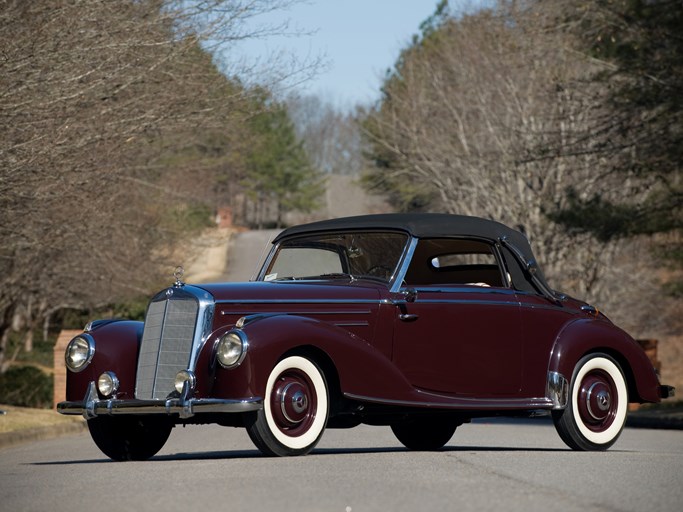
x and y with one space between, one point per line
178 275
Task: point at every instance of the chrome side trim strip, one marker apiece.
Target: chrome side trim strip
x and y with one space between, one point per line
468 302
557 390
461 403
472 289
304 312
92 406
297 301
570 311
485 291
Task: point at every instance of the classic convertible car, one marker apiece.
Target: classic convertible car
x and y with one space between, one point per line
419 322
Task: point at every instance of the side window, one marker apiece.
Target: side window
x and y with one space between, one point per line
454 262
445 262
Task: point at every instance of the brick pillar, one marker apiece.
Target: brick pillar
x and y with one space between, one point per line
59 375
650 348
224 217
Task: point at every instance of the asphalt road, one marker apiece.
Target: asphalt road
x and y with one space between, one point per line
246 252
502 466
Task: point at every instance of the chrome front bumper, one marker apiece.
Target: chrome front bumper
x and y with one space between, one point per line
93 406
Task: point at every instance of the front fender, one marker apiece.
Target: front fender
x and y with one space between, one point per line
584 336
116 350
362 369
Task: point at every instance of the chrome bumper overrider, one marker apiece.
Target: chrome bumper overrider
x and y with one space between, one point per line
93 406
557 390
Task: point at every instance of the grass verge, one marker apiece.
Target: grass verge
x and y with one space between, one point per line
23 418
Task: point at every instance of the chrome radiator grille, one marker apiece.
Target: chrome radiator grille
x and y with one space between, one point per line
166 346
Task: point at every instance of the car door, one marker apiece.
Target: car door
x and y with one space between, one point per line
458 326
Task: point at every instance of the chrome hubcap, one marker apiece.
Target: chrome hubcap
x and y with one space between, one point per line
603 400
598 401
293 403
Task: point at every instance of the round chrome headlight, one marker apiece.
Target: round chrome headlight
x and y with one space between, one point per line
182 377
231 349
108 384
79 352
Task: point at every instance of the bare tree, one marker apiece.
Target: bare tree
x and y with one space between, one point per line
91 91
331 137
471 123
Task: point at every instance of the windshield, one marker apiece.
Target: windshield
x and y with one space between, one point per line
363 255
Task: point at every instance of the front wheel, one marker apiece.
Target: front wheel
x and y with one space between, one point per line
295 409
130 437
423 434
596 413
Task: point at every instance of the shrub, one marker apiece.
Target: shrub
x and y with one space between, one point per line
26 386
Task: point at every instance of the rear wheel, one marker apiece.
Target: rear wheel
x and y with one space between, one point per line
596 413
130 437
423 434
295 409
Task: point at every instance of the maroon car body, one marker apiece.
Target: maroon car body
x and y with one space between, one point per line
421 322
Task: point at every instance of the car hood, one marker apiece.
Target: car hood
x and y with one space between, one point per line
295 291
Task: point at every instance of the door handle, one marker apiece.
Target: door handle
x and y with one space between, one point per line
406 317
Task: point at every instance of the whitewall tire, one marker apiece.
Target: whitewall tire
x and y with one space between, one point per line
295 409
596 413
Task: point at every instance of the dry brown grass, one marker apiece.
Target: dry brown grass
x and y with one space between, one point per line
22 418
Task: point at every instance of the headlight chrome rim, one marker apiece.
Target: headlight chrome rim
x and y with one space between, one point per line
231 348
108 384
79 352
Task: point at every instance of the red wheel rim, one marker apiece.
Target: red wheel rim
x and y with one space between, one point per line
293 402
598 400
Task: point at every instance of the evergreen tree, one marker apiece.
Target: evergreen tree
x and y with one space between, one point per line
639 47
279 171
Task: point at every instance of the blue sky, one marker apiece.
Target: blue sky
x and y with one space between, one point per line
360 40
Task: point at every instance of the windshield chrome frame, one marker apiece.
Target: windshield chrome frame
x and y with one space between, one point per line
399 270
396 280
266 263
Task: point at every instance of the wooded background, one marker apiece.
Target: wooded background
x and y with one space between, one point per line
126 124
120 133
563 118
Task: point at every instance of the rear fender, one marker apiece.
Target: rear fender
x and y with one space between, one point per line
585 336
116 350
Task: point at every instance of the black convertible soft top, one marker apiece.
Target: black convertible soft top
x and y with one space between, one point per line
423 225
420 225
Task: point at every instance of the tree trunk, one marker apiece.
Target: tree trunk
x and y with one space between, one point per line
4 341
28 341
